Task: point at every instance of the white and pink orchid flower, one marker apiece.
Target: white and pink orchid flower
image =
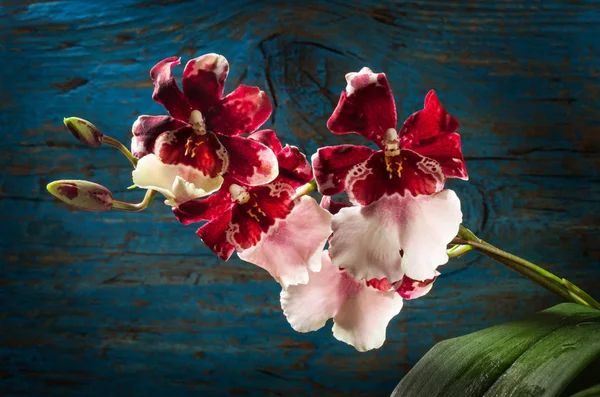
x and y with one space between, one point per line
267 225
184 155
402 219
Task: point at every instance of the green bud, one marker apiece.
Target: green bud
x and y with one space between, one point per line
84 195
85 132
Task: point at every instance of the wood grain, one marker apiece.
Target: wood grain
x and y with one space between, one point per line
133 304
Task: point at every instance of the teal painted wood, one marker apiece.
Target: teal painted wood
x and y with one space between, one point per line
133 304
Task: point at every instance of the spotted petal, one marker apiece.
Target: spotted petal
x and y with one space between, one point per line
241 112
406 173
166 91
203 80
202 152
250 162
178 183
360 313
293 245
431 132
396 236
146 129
331 165
366 107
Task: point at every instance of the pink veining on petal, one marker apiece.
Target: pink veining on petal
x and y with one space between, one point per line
431 132
331 165
366 107
204 79
146 129
408 288
250 162
406 173
203 152
360 313
267 138
166 91
241 112
308 226
396 236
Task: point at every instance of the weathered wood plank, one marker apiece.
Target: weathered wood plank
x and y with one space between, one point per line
124 304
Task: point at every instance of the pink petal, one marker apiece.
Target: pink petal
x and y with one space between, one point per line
250 162
214 234
146 129
203 80
202 152
408 288
431 132
405 173
332 206
293 245
366 108
241 112
166 91
396 236
380 284
360 313
332 163
207 209
294 168
267 138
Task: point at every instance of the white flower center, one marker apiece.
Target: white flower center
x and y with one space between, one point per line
197 122
391 143
239 194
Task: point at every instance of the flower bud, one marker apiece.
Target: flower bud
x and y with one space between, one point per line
85 132
84 195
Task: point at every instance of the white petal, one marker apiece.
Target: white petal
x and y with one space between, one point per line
178 183
396 235
365 315
308 307
294 244
360 313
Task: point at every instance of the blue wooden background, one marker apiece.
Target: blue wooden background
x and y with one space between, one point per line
133 305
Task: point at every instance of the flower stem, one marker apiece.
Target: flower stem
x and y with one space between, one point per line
550 281
115 143
131 207
306 189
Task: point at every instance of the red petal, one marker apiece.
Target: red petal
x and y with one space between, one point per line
166 91
250 162
206 209
380 284
267 138
332 206
241 112
203 152
145 131
266 204
294 168
407 172
366 107
431 132
203 80
214 235
332 163
408 288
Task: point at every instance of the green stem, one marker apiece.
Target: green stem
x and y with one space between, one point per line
306 189
459 250
550 281
115 143
130 207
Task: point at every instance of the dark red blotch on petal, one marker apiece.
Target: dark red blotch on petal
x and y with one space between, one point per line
206 209
332 206
166 92
146 130
408 288
267 138
214 235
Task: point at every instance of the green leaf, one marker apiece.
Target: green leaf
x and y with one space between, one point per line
538 356
593 391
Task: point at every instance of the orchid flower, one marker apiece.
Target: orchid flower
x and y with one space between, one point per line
402 219
266 224
184 155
